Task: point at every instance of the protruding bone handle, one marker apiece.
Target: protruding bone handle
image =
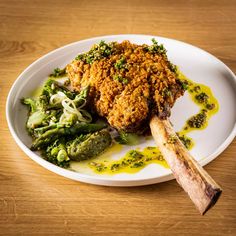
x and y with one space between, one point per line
201 188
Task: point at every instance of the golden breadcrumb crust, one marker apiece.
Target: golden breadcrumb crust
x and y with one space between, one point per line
147 85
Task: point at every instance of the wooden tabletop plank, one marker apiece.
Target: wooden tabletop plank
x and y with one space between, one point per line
34 201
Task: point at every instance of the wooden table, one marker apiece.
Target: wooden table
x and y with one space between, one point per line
34 201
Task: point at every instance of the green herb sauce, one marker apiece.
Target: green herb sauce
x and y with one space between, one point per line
203 97
132 162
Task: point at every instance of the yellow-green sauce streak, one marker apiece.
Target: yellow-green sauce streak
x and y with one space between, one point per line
203 97
208 105
132 162
135 160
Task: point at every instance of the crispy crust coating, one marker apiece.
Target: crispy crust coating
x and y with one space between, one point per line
151 86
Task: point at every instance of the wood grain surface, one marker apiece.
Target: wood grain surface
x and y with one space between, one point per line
34 201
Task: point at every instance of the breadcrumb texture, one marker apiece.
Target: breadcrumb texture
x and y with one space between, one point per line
129 94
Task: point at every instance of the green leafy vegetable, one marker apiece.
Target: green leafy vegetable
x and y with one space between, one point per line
61 126
57 153
57 73
50 135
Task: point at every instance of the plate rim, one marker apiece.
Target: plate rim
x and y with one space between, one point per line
102 180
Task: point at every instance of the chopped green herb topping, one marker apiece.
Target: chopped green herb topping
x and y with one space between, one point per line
184 84
172 67
121 64
121 79
155 48
97 52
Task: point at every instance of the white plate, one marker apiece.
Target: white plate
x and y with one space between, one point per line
195 63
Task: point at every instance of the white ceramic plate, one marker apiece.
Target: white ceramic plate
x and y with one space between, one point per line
195 63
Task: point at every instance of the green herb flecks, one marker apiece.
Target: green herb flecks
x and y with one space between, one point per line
172 67
97 52
100 167
156 48
121 64
136 155
187 142
184 84
120 79
199 120
133 161
137 164
202 97
210 106
197 88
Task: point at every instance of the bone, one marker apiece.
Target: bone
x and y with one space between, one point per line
196 182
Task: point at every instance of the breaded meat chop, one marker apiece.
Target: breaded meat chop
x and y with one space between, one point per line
132 84
128 83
